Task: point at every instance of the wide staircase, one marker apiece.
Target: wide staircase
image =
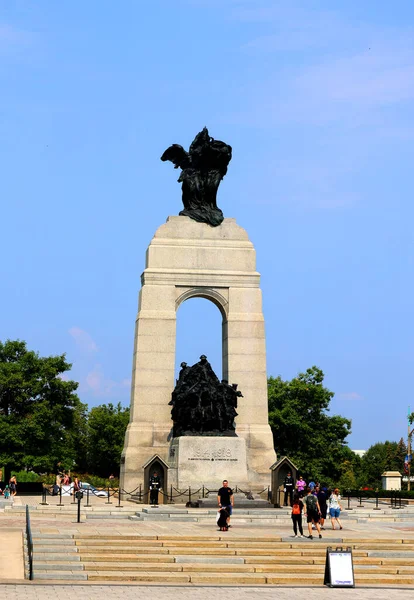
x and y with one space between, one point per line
215 559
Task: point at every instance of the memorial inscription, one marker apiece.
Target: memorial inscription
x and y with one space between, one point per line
222 454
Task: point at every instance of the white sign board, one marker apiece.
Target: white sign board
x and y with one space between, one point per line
339 568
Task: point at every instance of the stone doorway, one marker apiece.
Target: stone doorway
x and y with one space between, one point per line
156 464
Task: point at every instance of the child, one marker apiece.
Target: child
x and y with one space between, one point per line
6 492
222 519
297 508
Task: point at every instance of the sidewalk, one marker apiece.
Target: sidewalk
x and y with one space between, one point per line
11 554
33 591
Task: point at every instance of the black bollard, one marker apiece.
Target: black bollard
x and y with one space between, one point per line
140 493
79 498
349 500
119 498
60 496
43 502
108 501
376 500
171 498
203 491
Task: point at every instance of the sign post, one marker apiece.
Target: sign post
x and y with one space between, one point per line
339 568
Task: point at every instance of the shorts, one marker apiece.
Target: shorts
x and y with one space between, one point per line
334 512
229 508
312 515
323 511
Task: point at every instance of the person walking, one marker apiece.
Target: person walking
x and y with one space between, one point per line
288 487
312 511
323 504
13 485
335 508
225 499
297 508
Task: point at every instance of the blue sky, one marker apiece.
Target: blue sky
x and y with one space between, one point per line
315 97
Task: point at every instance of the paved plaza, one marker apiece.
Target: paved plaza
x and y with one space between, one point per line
33 591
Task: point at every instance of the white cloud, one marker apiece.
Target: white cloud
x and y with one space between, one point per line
83 339
349 396
103 387
377 77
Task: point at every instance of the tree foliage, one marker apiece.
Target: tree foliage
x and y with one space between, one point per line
302 429
106 433
380 457
40 414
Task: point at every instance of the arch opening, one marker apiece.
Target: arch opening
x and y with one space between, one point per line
201 329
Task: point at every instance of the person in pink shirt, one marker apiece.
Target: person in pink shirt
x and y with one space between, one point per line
300 486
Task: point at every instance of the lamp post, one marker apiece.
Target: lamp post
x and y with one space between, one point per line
410 433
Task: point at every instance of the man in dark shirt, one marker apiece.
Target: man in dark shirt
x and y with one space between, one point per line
289 486
225 499
322 499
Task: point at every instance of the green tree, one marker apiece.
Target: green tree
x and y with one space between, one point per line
106 434
380 457
304 431
348 478
40 414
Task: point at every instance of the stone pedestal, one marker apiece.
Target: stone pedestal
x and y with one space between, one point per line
199 460
391 480
186 259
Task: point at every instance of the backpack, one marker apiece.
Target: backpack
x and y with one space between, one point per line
296 509
311 503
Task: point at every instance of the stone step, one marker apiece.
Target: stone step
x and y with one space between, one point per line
41 548
313 550
230 560
244 578
216 559
40 541
150 558
118 543
57 565
235 568
53 575
58 558
108 516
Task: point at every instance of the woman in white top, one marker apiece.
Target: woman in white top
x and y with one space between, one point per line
335 508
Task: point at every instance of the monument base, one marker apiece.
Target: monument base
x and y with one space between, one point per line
197 460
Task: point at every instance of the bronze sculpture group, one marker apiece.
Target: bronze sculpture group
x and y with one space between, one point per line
201 403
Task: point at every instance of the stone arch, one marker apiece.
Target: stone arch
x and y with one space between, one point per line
208 293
